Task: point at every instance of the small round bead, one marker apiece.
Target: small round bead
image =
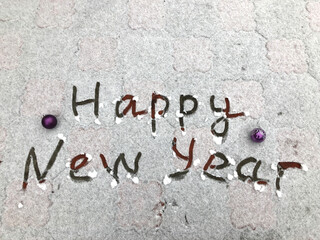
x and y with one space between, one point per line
49 121
258 135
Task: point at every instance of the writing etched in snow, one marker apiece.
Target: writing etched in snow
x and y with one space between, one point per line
128 104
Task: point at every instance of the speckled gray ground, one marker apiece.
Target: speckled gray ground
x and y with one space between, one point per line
262 55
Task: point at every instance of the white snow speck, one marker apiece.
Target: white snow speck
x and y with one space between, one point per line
279 193
206 120
212 152
259 187
230 177
246 113
43 186
93 174
157 115
115 101
140 117
136 98
68 164
274 166
20 205
179 114
174 154
135 180
217 114
235 174
101 105
154 134
184 133
89 156
118 120
217 140
128 175
97 121
166 180
63 138
203 177
196 162
77 118
114 183
304 167
231 160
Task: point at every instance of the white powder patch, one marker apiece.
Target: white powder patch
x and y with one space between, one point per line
203 177
279 193
68 164
179 114
167 180
140 117
114 183
230 177
43 186
196 162
93 174
304 167
118 120
63 138
274 166
259 187
89 156
231 160
115 101
212 152
135 180
20 205
77 118
136 98
174 154
217 114
97 121
217 140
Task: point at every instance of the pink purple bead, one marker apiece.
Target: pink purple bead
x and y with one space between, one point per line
258 135
49 121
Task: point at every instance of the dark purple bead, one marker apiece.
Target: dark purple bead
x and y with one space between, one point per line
49 121
258 135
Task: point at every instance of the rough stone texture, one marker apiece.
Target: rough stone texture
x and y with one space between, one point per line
287 56
43 96
314 15
235 92
250 207
264 55
55 13
298 145
146 14
18 204
97 54
2 138
192 54
147 199
237 15
10 51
